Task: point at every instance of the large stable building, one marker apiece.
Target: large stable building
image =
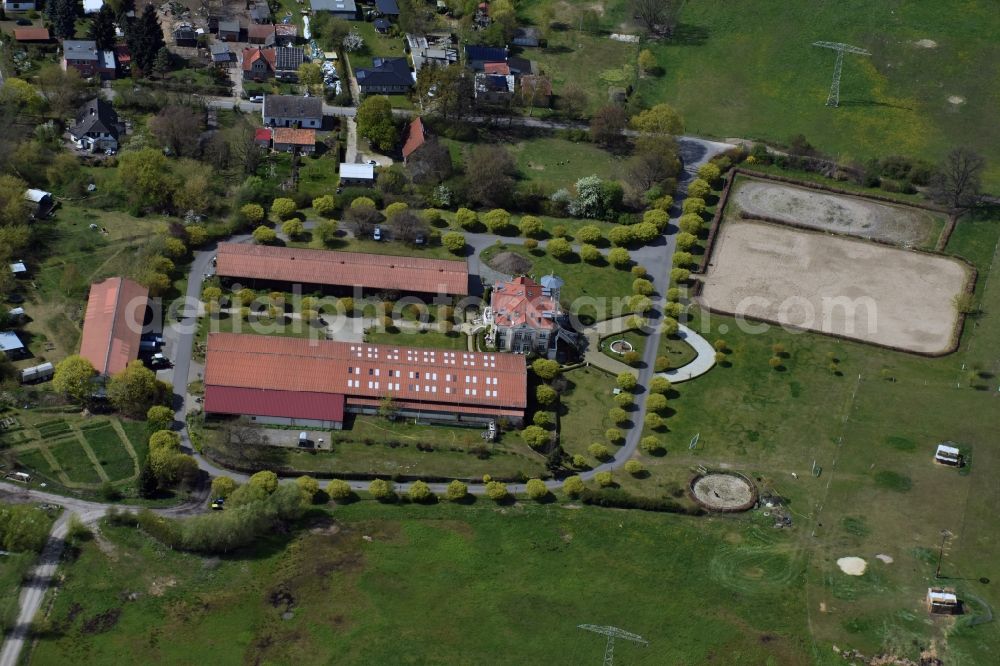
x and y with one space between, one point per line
294 381
112 327
282 266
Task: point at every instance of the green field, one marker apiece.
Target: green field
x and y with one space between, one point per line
556 163
422 338
601 284
374 445
110 451
584 410
365 601
754 74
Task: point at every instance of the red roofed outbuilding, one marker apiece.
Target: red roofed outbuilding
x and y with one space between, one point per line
416 137
112 326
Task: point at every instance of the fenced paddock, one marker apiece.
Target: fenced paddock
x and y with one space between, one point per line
835 285
838 213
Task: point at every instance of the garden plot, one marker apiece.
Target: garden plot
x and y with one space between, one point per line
833 285
900 225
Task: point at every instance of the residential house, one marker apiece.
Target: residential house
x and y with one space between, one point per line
292 111
11 345
357 174
287 61
536 90
290 140
496 68
529 36
14 7
415 138
229 31
260 13
221 55
40 202
97 126
494 89
387 76
387 8
286 34
524 316
184 35
343 9
258 64
32 35
107 65
261 33
431 51
477 56
81 55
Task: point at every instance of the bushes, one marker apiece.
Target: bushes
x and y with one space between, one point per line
339 490
642 286
536 489
382 489
599 451
324 205
650 445
530 226
467 219
535 436
619 257
454 242
693 205
709 172
498 221
264 235
283 207
604 479
589 233
699 188
590 254
690 223
545 395
619 499
560 248
456 491
621 236
496 491
686 241
419 492
573 486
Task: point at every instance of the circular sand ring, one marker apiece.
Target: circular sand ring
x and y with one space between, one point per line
621 347
724 491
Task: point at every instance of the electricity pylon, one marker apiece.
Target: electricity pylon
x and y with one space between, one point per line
612 633
834 98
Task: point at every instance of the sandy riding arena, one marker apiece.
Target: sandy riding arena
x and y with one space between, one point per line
839 286
724 492
911 227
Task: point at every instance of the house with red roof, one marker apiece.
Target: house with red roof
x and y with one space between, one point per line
525 316
258 64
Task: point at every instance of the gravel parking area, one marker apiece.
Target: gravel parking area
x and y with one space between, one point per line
855 216
834 285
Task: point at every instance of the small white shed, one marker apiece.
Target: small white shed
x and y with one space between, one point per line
947 454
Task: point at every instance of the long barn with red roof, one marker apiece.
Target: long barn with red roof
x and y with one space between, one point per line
295 381
267 265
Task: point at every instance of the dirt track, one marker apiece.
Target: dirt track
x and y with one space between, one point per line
901 225
835 285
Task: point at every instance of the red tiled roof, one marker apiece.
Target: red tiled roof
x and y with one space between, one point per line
294 137
31 34
264 402
112 326
522 302
122 53
322 267
252 55
501 68
434 379
262 134
415 138
259 30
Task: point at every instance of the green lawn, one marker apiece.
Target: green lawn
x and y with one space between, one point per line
375 45
556 163
424 338
584 410
373 445
756 74
590 291
73 460
110 452
699 591
635 338
13 568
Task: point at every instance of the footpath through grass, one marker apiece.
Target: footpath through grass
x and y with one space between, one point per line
491 581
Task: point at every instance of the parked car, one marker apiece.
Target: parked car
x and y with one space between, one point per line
257 99
373 162
377 234
22 21
420 239
157 361
218 504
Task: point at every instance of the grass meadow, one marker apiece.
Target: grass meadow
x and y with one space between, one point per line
754 73
492 583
